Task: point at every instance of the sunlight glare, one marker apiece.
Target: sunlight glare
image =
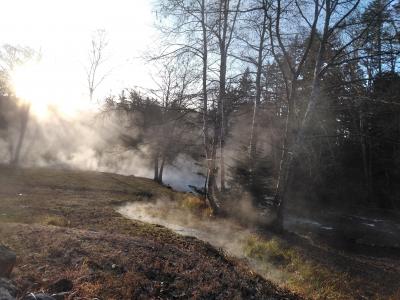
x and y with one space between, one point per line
43 87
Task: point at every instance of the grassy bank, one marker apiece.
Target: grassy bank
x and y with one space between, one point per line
62 224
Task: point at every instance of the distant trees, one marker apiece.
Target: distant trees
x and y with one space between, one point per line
333 15
291 99
380 44
158 121
187 31
309 69
255 52
291 102
205 30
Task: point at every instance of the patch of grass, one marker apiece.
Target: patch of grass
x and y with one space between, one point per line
300 274
270 251
192 203
54 220
90 289
195 205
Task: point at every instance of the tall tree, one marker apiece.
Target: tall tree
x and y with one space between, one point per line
291 69
223 28
187 31
334 15
254 37
96 58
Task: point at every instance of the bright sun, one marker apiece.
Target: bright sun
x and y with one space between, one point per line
44 88
31 84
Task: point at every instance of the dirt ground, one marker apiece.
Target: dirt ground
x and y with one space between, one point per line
62 224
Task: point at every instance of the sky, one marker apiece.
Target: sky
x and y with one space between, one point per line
62 30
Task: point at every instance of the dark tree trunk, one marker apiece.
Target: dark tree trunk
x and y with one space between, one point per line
221 119
156 168
161 171
209 147
24 124
212 193
285 163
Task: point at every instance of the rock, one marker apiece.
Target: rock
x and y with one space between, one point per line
7 261
41 269
119 270
33 296
7 290
62 285
60 296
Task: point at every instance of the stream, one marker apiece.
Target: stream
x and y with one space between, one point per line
372 235
353 233
224 234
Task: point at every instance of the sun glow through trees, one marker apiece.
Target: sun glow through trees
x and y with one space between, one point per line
43 87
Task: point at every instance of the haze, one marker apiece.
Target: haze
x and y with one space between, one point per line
61 32
268 131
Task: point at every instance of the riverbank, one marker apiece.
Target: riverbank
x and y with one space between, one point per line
305 262
62 224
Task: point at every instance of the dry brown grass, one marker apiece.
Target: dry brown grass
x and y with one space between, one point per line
86 236
314 276
62 225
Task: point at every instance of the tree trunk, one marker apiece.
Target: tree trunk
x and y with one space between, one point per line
212 179
222 169
161 171
285 163
156 167
212 193
364 153
257 100
294 137
24 124
221 110
224 42
380 24
209 150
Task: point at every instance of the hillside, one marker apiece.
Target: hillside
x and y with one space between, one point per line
62 224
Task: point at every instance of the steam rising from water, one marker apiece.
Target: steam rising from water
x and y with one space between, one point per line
223 234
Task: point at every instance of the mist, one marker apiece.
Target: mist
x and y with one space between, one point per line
266 130
91 141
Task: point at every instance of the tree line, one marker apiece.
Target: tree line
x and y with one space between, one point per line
291 102
305 92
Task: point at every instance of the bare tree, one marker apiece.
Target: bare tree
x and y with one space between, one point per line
291 70
96 59
157 119
188 32
254 52
225 18
334 15
174 97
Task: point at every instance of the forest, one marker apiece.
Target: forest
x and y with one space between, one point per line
279 110
261 94
290 100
